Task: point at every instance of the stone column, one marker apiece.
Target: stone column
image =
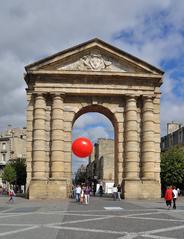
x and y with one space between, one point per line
39 138
156 103
29 138
57 138
131 140
148 145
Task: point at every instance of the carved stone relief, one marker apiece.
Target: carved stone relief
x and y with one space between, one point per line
94 62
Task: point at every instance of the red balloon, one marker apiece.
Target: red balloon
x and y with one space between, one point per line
82 147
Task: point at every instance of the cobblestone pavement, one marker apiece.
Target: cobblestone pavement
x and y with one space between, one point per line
103 218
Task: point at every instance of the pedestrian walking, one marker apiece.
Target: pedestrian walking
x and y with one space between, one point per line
87 192
168 196
11 195
119 192
77 193
114 192
175 196
101 190
82 195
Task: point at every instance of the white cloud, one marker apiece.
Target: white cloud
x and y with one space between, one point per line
92 119
31 30
93 133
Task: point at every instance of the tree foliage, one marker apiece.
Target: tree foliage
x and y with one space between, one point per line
9 173
172 166
80 177
20 169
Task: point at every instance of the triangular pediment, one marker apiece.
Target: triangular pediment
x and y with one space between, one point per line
94 61
93 56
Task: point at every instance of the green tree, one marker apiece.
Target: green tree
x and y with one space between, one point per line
20 168
172 166
80 177
9 173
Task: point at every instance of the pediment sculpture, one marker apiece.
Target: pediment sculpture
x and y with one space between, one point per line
93 62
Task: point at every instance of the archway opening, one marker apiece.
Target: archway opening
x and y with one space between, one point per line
99 125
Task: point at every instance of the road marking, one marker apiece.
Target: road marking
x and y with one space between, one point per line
124 235
113 208
15 214
16 225
164 229
129 236
88 230
134 235
82 220
157 237
17 231
75 214
139 214
155 219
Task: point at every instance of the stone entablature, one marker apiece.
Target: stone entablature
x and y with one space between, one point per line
58 95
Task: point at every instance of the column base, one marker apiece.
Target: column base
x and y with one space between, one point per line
47 189
141 189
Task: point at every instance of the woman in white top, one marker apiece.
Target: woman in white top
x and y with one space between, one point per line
175 196
114 192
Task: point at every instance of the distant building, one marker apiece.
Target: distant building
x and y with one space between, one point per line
175 136
101 162
12 145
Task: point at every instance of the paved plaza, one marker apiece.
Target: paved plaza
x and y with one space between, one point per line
103 218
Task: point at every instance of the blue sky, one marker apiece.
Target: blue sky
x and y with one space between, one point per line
150 30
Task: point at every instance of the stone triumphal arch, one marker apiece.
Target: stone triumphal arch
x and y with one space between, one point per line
93 77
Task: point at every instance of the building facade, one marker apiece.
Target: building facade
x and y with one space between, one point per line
175 136
101 163
12 145
93 77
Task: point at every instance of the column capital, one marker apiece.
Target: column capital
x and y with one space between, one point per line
131 99
157 95
37 93
131 96
148 97
57 94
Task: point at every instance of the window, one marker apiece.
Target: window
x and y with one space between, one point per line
3 157
4 146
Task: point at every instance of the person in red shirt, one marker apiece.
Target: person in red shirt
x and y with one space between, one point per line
168 197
